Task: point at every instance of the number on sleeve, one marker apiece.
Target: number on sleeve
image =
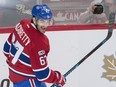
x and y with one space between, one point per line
42 60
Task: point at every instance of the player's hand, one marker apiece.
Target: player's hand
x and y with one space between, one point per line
61 79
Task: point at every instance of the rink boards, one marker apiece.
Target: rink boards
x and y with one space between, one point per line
69 44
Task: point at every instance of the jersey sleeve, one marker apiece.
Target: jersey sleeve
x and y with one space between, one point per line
40 66
7 46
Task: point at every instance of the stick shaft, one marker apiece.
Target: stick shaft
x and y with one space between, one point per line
110 30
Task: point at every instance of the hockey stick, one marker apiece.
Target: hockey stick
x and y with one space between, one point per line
110 30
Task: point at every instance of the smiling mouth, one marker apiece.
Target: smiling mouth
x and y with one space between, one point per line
43 28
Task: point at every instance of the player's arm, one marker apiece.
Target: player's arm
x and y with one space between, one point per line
7 46
42 70
11 38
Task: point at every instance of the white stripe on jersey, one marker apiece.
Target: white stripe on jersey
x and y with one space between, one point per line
36 70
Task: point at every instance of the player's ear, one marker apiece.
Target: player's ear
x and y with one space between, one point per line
34 20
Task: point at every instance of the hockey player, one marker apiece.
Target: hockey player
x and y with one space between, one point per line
26 50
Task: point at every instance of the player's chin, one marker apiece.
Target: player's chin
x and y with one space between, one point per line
43 31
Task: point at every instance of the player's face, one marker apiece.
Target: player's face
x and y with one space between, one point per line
43 24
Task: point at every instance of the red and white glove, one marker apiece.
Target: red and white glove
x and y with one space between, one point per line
61 79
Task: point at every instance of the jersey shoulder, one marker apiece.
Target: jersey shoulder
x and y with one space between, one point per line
21 32
25 24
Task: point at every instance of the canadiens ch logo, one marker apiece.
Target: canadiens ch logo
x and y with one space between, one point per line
41 52
110 67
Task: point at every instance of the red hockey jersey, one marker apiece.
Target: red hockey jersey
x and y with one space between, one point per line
26 50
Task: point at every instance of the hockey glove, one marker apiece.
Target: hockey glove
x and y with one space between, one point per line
61 79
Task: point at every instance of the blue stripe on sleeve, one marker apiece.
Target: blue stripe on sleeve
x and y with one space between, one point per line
24 58
6 47
13 50
42 74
